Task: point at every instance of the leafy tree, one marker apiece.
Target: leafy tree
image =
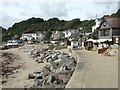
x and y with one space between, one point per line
95 34
47 35
73 24
38 24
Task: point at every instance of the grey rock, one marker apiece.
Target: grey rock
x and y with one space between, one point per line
39 60
50 60
60 69
47 66
48 57
37 72
70 66
72 59
39 79
32 76
65 79
55 56
42 56
39 82
62 56
44 60
58 60
49 80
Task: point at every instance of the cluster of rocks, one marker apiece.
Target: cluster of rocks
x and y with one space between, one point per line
7 67
33 51
59 69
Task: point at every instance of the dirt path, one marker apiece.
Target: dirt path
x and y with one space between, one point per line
20 79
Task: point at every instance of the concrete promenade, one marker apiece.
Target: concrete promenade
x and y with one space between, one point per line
94 71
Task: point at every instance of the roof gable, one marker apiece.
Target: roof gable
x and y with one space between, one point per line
110 22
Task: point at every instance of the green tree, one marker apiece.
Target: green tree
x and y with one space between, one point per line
95 34
47 35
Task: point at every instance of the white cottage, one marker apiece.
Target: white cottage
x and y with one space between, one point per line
30 36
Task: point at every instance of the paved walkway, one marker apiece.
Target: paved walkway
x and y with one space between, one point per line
94 71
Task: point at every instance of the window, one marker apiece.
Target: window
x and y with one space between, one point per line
101 33
37 34
104 33
116 32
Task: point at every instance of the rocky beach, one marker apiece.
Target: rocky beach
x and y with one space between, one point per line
50 69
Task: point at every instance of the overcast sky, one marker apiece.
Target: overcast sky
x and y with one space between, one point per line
12 11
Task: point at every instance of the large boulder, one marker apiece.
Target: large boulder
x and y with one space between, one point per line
39 60
65 79
55 56
39 81
63 56
32 76
49 80
48 57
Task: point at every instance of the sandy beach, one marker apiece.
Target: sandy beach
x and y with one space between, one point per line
20 79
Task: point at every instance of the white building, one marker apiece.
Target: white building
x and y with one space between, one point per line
55 35
97 24
67 34
30 36
39 36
